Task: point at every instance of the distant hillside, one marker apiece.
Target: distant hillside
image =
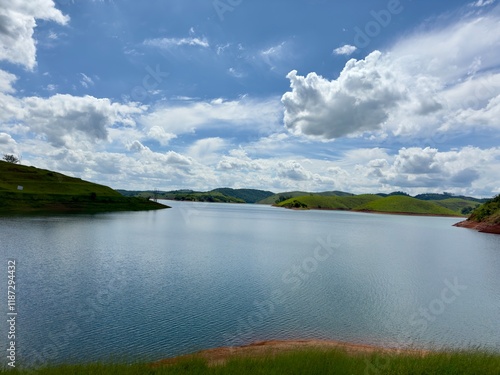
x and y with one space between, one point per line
328 202
32 190
407 205
485 218
247 195
280 197
459 205
372 203
445 196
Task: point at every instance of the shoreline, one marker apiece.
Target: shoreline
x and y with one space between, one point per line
270 348
370 212
481 227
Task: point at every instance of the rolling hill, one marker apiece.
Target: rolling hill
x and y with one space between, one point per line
32 190
485 218
372 203
328 202
280 197
406 205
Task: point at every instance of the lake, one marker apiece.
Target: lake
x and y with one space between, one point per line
150 285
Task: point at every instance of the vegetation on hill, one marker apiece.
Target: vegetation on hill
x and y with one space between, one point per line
459 205
26 190
328 202
485 218
281 197
247 195
375 203
404 204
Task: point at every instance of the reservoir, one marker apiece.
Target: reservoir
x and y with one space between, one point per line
150 285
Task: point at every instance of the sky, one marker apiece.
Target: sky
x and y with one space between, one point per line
316 95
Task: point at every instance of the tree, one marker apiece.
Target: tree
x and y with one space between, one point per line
11 159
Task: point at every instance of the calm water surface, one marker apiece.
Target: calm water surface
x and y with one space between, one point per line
150 285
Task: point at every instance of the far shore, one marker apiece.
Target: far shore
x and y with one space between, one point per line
219 356
370 212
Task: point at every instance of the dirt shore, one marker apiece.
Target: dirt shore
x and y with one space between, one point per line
481 227
218 356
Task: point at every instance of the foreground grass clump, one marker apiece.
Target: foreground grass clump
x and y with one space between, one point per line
301 362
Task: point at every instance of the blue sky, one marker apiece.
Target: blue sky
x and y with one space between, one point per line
365 96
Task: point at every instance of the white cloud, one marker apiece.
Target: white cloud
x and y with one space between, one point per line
160 135
6 81
207 148
167 43
218 113
345 50
86 81
482 3
61 118
17 24
359 100
423 84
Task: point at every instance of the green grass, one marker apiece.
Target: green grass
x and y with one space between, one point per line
460 206
488 212
46 192
404 204
276 198
328 202
310 361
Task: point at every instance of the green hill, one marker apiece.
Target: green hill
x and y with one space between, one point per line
328 202
485 218
32 190
281 197
247 195
488 212
459 205
407 205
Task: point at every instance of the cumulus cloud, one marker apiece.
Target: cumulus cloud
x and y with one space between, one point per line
61 116
415 88
6 81
428 168
206 148
238 160
293 170
345 50
359 100
17 24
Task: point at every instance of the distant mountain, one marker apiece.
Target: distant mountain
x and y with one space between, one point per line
25 190
247 195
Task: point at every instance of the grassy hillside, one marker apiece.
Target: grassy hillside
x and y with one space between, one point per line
247 195
403 204
459 205
281 197
488 212
328 202
45 191
194 196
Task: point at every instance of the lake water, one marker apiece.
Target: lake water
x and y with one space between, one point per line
149 285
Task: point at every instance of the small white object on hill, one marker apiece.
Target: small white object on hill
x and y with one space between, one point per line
20 187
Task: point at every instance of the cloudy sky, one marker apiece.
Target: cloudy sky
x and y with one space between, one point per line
364 96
